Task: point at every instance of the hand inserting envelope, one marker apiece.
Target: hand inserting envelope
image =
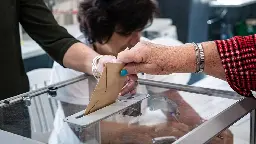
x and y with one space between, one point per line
107 90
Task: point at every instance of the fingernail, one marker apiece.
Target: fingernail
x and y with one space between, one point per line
123 72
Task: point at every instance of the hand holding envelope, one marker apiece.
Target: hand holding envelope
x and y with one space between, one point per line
131 81
108 87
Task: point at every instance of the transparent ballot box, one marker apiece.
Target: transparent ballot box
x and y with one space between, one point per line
160 113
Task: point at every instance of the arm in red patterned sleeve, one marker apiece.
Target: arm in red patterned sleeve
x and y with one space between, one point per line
238 56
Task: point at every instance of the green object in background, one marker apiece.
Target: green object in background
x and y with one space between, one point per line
245 28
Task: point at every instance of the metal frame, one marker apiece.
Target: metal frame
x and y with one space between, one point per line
192 89
253 127
34 93
187 88
220 122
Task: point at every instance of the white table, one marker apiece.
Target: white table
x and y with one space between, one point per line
231 3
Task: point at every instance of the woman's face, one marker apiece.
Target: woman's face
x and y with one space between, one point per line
118 43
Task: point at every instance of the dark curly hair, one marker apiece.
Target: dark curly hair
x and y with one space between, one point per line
99 19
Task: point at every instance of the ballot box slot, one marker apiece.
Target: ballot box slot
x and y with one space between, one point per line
81 120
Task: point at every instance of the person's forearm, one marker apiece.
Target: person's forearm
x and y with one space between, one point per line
184 59
79 57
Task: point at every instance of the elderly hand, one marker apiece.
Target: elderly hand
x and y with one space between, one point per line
148 58
131 81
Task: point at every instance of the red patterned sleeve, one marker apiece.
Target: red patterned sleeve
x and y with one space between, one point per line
238 56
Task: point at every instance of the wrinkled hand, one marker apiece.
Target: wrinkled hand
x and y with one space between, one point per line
148 58
131 81
130 85
106 59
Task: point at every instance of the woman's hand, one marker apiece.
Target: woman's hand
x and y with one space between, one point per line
106 59
130 86
131 81
146 57
150 58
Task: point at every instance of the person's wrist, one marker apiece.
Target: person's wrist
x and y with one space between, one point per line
213 62
88 55
95 63
199 53
87 64
180 58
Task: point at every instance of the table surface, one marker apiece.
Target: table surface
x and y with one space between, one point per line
231 3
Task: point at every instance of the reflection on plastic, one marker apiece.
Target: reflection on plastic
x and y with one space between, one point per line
164 140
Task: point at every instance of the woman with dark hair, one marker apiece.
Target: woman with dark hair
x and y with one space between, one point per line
109 27
105 23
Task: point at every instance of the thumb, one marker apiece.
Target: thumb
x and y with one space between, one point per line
126 56
135 54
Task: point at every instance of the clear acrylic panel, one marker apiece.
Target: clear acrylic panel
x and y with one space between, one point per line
167 116
164 117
